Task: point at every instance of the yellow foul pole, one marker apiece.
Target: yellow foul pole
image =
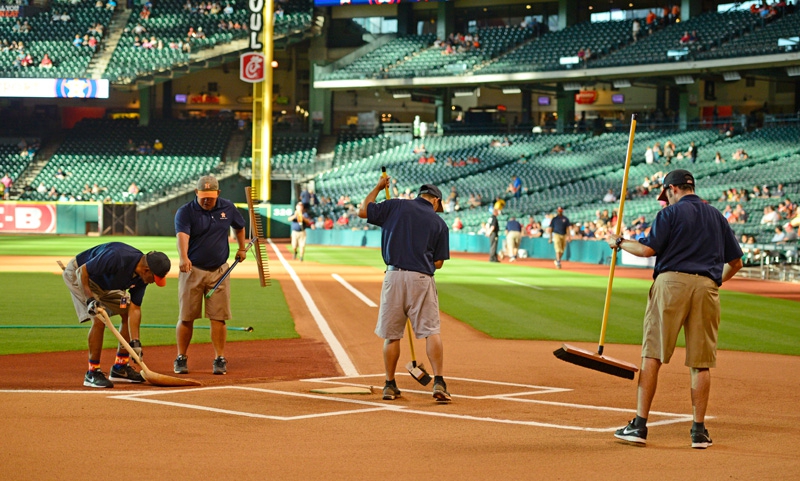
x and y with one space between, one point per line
261 40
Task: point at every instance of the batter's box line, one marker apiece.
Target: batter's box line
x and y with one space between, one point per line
531 389
142 397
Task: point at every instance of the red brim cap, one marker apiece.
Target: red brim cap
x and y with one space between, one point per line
160 281
663 196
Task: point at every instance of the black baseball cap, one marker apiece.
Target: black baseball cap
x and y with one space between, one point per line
676 177
159 265
431 189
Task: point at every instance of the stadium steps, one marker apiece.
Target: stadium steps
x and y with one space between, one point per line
116 26
41 159
523 45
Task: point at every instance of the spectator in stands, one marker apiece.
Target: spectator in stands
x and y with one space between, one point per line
133 189
6 183
610 196
41 189
789 234
46 62
98 4
78 40
61 174
691 153
158 146
740 154
52 193
649 156
457 224
770 216
138 29
228 10
675 13
685 39
779 235
96 189
65 17
636 28
328 225
650 20
515 187
343 220
26 60
779 191
111 5
91 42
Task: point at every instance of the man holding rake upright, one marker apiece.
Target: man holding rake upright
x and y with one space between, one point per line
414 243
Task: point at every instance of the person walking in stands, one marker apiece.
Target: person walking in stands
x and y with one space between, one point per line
113 276
560 225
493 231
696 251
202 227
300 222
414 243
513 237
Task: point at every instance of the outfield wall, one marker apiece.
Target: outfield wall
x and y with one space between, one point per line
51 217
591 252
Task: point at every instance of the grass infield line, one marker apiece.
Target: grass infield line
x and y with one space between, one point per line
338 351
355 291
520 283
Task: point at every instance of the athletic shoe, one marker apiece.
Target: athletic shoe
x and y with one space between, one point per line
220 365
125 374
96 378
632 434
558 264
390 393
180 365
440 393
701 440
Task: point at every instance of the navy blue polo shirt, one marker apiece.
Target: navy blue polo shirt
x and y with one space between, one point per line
513 226
560 224
296 225
692 237
208 231
112 266
413 236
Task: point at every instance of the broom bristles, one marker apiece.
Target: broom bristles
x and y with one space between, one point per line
596 364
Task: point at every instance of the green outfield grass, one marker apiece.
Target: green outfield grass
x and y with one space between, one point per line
503 300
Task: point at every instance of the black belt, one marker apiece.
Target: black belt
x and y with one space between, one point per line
394 268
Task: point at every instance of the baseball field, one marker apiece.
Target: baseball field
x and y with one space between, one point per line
517 411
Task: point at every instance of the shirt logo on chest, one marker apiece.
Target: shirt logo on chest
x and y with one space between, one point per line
223 216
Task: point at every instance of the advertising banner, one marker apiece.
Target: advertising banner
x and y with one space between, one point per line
27 218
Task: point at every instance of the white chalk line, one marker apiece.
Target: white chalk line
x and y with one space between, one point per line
511 281
338 351
355 291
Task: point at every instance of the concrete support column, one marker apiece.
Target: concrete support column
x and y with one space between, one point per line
797 95
405 19
690 9
527 106
567 13
320 106
166 100
444 108
445 19
683 113
566 110
145 105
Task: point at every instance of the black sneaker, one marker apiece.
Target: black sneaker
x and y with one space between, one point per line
96 378
125 374
180 365
632 434
440 393
220 365
390 393
701 440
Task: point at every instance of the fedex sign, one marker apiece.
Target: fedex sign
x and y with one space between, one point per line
27 218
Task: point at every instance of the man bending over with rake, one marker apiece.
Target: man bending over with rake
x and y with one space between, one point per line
414 243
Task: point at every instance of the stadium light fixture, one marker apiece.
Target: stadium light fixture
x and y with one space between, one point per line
464 93
512 90
401 94
570 86
731 76
621 83
684 79
793 71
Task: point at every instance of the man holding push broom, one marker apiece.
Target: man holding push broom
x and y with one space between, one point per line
696 251
414 243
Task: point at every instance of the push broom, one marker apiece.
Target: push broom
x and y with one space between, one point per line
596 360
417 370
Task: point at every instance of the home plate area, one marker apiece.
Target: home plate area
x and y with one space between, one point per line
475 400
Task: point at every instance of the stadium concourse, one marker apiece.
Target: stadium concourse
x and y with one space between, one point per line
516 409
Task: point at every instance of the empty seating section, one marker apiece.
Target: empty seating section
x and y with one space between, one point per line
170 22
763 41
11 162
95 152
434 62
51 38
545 53
712 28
288 151
350 147
375 63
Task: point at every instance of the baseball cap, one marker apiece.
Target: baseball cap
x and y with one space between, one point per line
431 189
207 186
676 177
159 265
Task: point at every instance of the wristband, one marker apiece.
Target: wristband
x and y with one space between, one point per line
619 242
